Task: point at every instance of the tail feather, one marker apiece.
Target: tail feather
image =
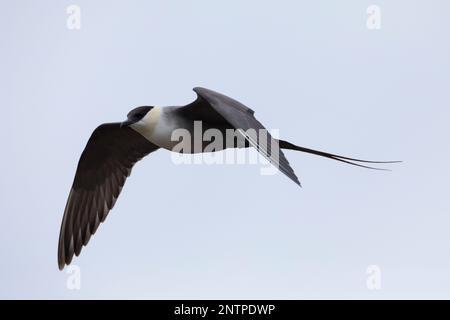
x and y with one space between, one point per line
287 145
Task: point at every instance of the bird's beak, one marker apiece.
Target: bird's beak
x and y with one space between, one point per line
126 123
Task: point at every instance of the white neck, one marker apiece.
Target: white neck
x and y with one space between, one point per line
156 127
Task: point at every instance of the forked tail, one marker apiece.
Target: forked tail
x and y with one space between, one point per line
287 145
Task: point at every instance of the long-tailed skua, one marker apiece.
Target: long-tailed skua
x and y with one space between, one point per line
114 148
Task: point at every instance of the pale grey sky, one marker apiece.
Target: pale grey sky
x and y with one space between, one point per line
311 69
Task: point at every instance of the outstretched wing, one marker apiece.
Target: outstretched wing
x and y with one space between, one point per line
211 103
104 165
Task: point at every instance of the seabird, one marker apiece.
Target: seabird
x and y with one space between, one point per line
114 148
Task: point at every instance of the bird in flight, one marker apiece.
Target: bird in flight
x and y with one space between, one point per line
114 148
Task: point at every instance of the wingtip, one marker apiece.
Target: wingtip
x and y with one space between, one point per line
61 259
297 181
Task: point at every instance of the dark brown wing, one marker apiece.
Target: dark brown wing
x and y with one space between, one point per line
104 165
211 103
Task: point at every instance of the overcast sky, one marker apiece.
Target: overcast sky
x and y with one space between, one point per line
312 69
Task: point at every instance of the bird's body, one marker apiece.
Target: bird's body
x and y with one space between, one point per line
114 148
160 123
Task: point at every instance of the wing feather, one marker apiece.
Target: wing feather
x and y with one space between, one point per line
104 165
242 117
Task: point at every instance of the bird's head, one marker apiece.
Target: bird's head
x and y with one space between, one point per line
136 115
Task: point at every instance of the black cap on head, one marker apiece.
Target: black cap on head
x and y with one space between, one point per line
136 114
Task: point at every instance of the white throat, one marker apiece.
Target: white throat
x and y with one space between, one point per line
156 128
